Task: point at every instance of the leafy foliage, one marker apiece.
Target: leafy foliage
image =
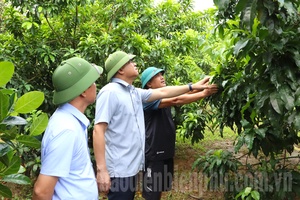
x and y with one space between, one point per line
265 53
252 48
220 161
248 194
11 133
259 96
47 34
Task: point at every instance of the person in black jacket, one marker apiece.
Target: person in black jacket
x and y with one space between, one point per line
160 132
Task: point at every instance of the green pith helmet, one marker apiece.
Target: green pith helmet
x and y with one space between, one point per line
72 77
115 61
149 73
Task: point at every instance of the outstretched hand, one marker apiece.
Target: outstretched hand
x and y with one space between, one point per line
204 85
210 90
204 80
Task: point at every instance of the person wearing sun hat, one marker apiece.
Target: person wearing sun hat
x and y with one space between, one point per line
119 129
160 132
66 170
115 61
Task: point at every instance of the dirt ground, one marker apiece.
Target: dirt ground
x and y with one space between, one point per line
187 184
191 185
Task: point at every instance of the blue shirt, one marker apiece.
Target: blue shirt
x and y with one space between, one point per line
65 154
120 106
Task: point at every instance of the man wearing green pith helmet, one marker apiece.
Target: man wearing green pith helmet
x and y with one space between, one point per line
119 130
67 171
160 133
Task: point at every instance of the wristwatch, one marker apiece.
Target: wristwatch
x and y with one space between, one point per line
190 86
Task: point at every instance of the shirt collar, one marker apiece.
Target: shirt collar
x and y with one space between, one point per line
76 113
124 83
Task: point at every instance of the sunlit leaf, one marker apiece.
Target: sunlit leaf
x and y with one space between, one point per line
39 125
4 104
29 101
6 72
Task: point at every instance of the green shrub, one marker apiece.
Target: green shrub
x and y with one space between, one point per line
17 133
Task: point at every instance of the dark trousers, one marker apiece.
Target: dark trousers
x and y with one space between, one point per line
122 188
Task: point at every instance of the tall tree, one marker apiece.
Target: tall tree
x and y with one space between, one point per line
257 69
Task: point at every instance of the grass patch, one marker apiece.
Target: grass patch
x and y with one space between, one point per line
209 139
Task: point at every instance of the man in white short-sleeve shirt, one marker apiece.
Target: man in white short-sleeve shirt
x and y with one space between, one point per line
67 171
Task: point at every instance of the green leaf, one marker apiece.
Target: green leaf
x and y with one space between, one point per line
5 160
6 72
5 191
4 149
14 120
29 141
261 100
249 138
297 121
218 162
255 195
281 2
27 25
297 97
240 45
276 102
7 91
290 74
4 106
17 178
221 4
13 167
297 58
241 5
290 8
29 101
255 26
39 125
286 97
21 170
238 195
247 191
249 14
10 134
261 132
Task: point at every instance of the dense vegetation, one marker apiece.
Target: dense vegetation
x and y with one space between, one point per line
250 46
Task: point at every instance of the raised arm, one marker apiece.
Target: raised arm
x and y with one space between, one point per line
187 97
173 91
